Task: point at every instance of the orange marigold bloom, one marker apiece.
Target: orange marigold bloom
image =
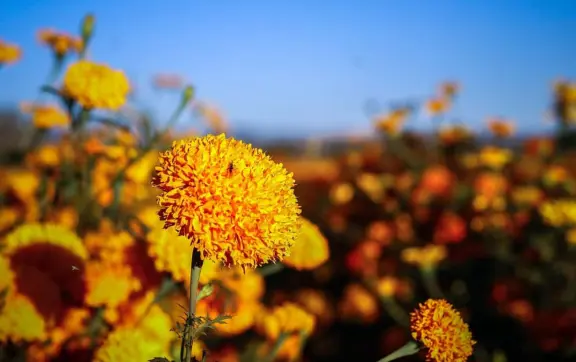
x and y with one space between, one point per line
288 318
60 43
440 328
129 344
9 53
46 116
95 85
310 250
501 128
235 204
391 123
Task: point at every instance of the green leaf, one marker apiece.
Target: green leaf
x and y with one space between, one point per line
206 291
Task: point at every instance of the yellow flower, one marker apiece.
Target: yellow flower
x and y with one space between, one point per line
47 116
247 286
450 135
358 303
129 344
387 286
391 123
95 85
60 43
494 157
501 128
341 193
22 183
437 106
6 276
559 213
235 204
46 156
310 250
9 53
242 315
9 216
527 195
316 302
287 318
46 233
425 257
20 321
109 284
571 236
440 328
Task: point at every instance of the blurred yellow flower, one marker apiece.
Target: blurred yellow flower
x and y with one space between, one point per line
559 213
437 106
501 128
494 157
440 328
527 195
425 257
571 236
60 43
387 286
23 183
20 321
235 204
129 344
248 286
108 284
450 135
316 302
341 193
9 53
46 156
9 216
243 314
45 233
391 123
107 243
310 249
95 85
555 175
46 116
288 318
357 302
449 89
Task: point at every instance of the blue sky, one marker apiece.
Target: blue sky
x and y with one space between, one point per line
306 67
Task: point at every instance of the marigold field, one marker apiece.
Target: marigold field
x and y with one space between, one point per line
123 242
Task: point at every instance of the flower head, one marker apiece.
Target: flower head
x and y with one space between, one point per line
129 344
9 53
235 204
46 116
287 318
440 328
310 250
60 43
95 85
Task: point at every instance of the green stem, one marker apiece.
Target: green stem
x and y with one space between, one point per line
277 346
271 269
195 269
430 282
395 311
408 349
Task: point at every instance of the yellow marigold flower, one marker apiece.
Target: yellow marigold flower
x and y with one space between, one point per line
310 250
555 175
129 344
391 123
358 303
109 284
316 302
141 170
6 276
22 182
387 286
96 85
440 328
235 204
47 116
248 286
47 156
494 157
65 216
46 233
527 195
107 243
341 193
426 257
437 106
9 53
20 321
449 135
288 318
73 324
243 315
559 213
60 43
8 218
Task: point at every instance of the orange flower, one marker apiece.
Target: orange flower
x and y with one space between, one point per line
287 318
451 228
391 123
235 204
437 106
310 250
315 302
9 53
501 128
46 116
440 328
449 89
95 85
358 303
60 43
451 135
437 180
426 257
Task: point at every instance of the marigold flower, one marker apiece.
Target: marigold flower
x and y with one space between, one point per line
341 193
248 286
316 302
450 135
95 85
391 123
501 128
233 202
20 320
494 157
47 233
47 116
425 257
437 106
288 318
359 303
9 53
310 250
129 344
60 43
6 276
440 328
559 213
243 314
109 284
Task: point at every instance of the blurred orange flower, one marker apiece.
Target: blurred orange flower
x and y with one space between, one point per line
60 43
9 53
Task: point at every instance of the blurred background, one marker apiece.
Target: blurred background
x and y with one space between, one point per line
431 142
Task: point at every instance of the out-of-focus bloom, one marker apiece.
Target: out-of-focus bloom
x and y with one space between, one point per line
168 81
387 286
9 216
46 116
450 135
555 175
501 128
95 85
109 284
449 89
437 106
288 351
46 156
60 43
248 286
440 328
287 318
437 180
243 314
310 249
381 232
451 228
9 53
539 146
20 320
425 257
490 186
363 259
391 123
315 302
358 303
128 344
341 193
494 157
527 195
571 236
559 213
235 204
372 185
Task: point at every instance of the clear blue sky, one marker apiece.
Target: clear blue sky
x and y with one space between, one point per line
306 67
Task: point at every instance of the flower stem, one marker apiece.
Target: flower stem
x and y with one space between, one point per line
195 268
408 349
430 282
276 348
395 311
271 269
